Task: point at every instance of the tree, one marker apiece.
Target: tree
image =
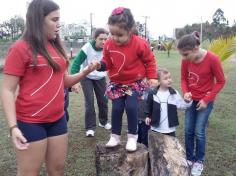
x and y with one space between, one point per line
16 26
168 46
12 28
223 47
73 31
141 28
219 18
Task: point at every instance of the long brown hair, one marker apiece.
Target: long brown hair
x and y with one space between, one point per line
34 35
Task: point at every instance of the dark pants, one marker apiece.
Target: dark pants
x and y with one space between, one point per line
130 104
98 87
143 132
66 103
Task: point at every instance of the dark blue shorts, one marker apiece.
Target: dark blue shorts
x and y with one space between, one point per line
38 131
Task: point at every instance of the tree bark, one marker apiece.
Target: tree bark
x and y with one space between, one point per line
167 156
118 162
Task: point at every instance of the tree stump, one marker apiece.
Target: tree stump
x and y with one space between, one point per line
167 156
118 162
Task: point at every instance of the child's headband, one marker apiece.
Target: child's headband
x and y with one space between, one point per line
118 11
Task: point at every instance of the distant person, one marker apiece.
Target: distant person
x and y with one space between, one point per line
128 60
162 105
202 78
37 63
95 82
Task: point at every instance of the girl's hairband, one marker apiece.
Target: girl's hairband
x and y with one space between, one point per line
118 11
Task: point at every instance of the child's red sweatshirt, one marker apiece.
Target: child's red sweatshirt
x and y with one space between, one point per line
204 80
130 62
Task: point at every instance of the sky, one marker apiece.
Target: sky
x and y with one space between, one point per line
163 15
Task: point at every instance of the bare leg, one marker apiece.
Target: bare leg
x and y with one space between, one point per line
56 155
29 161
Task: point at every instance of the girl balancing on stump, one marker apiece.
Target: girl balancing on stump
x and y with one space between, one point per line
37 63
202 78
128 60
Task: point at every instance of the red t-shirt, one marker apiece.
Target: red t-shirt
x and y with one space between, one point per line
41 90
130 62
204 80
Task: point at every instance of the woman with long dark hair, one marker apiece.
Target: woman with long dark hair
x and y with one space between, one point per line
37 64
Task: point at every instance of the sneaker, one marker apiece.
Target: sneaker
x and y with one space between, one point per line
107 126
190 163
131 145
113 141
90 133
197 168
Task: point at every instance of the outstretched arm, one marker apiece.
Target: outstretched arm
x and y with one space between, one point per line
70 80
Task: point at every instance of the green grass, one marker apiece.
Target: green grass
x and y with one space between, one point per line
221 149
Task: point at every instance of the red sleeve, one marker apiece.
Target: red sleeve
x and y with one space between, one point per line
106 56
15 61
184 76
149 60
219 79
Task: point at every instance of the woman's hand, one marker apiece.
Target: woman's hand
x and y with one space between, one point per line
18 139
201 105
94 65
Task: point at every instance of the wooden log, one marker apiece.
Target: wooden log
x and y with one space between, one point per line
167 156
118 162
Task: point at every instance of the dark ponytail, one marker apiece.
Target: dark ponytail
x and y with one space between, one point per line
189 41
123 18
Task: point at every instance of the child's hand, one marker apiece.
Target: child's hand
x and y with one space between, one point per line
188 97
148 121
153 82
98 65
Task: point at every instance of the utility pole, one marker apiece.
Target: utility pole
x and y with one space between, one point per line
91 23
145 18
201 32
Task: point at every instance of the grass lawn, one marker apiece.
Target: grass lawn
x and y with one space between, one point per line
221 149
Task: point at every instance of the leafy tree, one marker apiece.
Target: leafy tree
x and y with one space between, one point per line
141 28
12 28
223 47
73 31
219 18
